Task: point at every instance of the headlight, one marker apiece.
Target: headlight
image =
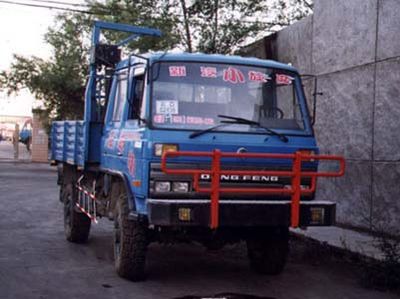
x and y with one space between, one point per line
180 186
163 186
160 148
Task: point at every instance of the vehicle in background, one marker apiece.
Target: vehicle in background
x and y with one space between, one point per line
25 134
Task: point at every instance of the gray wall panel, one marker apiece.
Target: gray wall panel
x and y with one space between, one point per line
294 45
358 116
352 193
386 203
344 34
388 29
387 111
344 113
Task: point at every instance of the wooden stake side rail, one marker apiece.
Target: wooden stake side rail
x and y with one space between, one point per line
215 189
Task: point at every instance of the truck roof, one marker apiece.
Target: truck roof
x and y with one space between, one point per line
210 58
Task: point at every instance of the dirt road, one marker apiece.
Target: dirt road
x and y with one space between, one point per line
37 262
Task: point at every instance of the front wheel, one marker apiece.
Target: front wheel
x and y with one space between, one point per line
130 243
268 249
76 224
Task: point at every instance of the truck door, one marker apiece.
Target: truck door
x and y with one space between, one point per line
114 120
130 142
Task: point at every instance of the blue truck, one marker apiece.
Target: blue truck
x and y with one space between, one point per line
25 135
186 147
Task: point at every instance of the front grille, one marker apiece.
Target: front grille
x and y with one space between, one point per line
226 181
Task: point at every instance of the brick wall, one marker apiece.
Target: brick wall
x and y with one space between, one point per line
39 141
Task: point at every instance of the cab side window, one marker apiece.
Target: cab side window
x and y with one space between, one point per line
137 97
120 96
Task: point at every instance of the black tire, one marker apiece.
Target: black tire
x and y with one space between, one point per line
130 243
267 250
76 224
60 181
61 193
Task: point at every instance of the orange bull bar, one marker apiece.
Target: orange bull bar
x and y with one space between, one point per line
215 172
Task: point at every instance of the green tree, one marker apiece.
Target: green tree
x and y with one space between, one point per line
147 13
210 26
59 81
286 12
222 26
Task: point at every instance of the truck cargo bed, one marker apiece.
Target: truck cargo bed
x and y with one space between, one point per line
68 142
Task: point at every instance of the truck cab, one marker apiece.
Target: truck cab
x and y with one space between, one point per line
208 148
198 102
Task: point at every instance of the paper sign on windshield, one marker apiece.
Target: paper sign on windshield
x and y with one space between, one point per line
283 79
167 107
258 77
208 72
177 71
233 75
159 119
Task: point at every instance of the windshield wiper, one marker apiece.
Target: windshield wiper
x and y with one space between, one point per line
198 133
244 121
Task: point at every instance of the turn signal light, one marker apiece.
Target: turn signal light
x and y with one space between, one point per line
308 152
184 214
317 216
161 148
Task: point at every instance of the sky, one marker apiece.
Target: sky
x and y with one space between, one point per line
21 32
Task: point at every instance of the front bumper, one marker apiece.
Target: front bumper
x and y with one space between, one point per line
234 213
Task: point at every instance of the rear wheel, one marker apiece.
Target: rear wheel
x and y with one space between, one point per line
60 180
61 193
130 243
76 224
268 250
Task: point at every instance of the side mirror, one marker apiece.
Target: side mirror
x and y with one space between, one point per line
315 93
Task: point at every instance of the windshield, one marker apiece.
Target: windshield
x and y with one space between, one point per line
190 96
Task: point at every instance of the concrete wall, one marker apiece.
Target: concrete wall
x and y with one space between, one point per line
354 49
